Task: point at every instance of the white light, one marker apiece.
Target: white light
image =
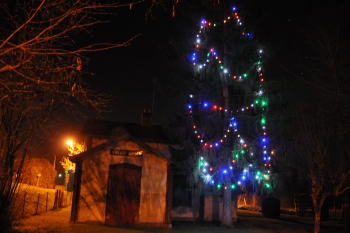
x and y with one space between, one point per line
225 71
191 96
260 51
239 182
198 41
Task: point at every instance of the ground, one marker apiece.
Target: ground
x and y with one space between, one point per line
248 222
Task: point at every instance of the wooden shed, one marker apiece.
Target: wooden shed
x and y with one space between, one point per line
124 177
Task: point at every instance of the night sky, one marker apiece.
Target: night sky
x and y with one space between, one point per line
127 73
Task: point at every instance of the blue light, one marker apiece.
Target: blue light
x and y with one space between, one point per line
225 171
234 8
216 144
189 106
205 104
243 177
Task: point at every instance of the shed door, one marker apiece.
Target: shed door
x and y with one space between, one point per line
123 194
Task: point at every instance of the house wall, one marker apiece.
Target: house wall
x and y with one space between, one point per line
212 210
94 181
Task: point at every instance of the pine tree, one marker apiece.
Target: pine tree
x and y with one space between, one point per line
226 108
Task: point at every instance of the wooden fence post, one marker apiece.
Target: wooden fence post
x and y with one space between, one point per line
47 198
37 204
24 203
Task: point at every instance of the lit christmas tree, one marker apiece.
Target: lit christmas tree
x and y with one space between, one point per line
227 109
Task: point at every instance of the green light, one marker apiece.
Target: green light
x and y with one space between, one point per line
214 24
200 164
219 186
236 156
233 186
258 173
245 75
263 121
221 67
208 54
268 185
242 151
257 101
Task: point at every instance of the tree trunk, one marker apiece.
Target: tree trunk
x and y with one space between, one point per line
345 201
226 220
317 223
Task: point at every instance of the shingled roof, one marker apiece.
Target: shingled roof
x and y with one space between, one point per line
105 129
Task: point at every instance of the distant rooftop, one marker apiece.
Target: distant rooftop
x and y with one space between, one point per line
105 129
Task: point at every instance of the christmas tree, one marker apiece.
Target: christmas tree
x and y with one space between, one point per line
226 108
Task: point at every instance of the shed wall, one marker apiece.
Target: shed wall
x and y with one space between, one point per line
94 181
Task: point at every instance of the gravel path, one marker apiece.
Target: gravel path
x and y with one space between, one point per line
248 222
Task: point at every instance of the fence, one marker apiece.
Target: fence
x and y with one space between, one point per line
31 200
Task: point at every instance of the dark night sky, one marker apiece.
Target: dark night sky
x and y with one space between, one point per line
127 73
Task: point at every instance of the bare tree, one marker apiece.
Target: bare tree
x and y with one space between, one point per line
41 69
317 143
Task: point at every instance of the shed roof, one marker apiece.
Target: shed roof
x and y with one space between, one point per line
114 141
105 129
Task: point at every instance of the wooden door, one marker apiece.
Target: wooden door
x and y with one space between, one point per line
123 194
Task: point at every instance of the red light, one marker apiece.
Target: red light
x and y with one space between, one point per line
264 133
220 108
245 145
211 169
199 136
233 161
262 80
247 107
211 146
215 107
234 77
194 126
221 140
197 46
